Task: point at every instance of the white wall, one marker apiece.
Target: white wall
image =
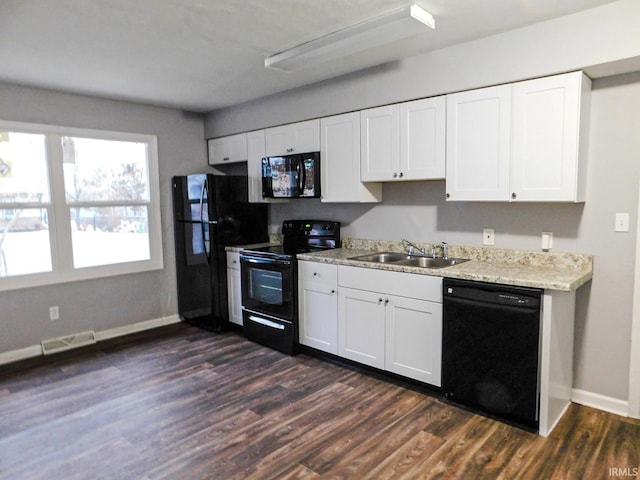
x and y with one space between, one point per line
418 211
116 301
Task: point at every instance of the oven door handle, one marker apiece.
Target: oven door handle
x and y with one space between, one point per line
266 323
263 261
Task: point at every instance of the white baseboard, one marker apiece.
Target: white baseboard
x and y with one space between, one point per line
20 354
601 402
136 327
36 350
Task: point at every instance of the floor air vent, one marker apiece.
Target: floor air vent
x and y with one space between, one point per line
60 344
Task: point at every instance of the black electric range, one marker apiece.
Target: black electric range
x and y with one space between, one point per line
270 284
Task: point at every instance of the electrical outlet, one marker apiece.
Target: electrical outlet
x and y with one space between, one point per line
622 222
547 241
54 313
488 236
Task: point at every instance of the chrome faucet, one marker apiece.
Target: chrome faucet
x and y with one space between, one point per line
445 250
411 247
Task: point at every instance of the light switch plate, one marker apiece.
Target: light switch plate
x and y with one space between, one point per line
622 222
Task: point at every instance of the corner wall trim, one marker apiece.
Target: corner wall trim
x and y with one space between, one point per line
36 350
601 402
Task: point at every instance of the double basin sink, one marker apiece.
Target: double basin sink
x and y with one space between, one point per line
407 260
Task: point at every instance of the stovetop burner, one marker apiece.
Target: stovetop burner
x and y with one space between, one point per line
301 236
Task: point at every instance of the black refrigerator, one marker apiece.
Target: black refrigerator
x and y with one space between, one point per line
210 213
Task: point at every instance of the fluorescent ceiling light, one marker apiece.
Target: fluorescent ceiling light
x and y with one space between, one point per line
387 28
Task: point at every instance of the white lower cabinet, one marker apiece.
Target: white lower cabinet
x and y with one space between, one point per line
413 346
361 326
391 321
234 288
318 306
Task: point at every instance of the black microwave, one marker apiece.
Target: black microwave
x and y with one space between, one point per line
291 176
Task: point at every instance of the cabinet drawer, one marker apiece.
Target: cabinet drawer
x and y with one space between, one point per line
314 272
233 260
423 287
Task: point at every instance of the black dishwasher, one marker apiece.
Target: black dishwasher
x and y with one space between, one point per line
490 349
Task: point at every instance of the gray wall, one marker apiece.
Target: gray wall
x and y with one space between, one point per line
115 301
597 39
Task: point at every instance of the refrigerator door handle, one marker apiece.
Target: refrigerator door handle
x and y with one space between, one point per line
207 246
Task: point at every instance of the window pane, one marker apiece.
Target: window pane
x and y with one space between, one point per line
104 170
23 168
103 236
24 242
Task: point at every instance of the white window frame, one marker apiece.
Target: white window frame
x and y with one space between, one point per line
63 269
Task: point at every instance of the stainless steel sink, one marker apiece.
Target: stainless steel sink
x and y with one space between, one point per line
427 262
409 261
382 257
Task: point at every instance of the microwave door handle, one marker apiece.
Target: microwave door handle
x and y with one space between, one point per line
298 188
303 177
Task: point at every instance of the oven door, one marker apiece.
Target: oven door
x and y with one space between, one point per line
268 286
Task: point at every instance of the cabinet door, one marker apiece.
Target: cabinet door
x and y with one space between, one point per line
422 139
255 152
318 312
234 289
230 149
293 138
318 305
414 339
340 159
547 162
306 136
380 143
478 144
278 141
361 326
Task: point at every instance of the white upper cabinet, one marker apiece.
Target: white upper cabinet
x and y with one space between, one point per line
479 144
525 141
380 143
301 137
423 139
230 149
404 141
255 152
550 130
340 161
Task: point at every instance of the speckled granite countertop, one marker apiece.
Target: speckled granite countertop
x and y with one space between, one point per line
552 271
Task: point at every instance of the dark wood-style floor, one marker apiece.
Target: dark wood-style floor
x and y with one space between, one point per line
180 403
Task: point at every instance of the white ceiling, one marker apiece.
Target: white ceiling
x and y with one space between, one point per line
201 55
